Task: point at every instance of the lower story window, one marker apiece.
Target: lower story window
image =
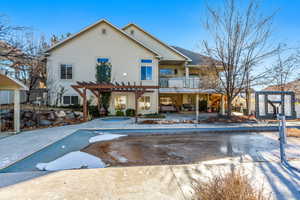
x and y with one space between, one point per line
70 100
166 100
145 103
120 102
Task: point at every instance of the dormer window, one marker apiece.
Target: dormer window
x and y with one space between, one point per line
131 32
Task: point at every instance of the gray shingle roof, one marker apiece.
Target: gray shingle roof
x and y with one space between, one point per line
197 59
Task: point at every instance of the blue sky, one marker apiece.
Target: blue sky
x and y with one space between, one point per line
177 22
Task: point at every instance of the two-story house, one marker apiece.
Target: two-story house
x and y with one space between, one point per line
135 56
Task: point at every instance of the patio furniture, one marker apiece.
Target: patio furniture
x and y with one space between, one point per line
168 108
188 107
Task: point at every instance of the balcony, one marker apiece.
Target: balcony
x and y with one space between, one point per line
180 82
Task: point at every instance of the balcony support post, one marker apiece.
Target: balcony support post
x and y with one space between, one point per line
197 107
187 76
222 105
208 103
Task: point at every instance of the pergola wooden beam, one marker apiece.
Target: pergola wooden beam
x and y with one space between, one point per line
98 88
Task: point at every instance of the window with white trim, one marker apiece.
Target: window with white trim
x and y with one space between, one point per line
146 69
145 103
102 60
166 100
66 71
167 72
70 100
120 103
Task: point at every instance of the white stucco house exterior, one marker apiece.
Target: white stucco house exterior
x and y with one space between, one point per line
136 56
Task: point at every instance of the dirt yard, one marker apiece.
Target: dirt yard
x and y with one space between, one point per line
179 149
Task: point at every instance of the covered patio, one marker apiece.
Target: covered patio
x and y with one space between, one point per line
98 88
8 83
192 102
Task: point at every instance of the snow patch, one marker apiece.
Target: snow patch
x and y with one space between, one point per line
118 157
72 160
105 137
99 132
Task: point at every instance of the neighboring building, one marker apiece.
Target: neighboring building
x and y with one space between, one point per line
293 86
136 57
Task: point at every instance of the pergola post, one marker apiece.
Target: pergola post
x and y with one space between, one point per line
17 110
85 112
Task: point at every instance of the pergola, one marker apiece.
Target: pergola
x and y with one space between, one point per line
98 88
8 83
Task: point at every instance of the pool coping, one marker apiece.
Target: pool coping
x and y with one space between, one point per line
271 128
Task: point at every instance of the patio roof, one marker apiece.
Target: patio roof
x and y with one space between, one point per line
98 88
8 83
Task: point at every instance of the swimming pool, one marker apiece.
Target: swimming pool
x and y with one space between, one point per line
220 143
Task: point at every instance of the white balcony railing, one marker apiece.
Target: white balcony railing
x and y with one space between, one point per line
180 82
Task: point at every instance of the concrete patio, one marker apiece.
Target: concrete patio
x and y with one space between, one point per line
149 182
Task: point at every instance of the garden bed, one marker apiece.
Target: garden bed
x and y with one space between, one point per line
209 120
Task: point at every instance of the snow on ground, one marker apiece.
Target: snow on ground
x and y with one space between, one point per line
118 157
105 137
72 160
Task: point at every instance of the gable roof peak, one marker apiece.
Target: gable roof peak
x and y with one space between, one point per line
92 26
156 39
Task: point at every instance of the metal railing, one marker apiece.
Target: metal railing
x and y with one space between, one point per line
180 82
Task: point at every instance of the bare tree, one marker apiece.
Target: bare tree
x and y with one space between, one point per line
10 46
30 68
60 94
240 41
285 69
36 64
55 38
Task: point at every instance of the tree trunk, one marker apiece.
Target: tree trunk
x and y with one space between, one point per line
248 102
229 106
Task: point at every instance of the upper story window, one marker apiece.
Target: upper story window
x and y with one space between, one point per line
146 61
102 60
66 71
146 69
131 32
167 72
